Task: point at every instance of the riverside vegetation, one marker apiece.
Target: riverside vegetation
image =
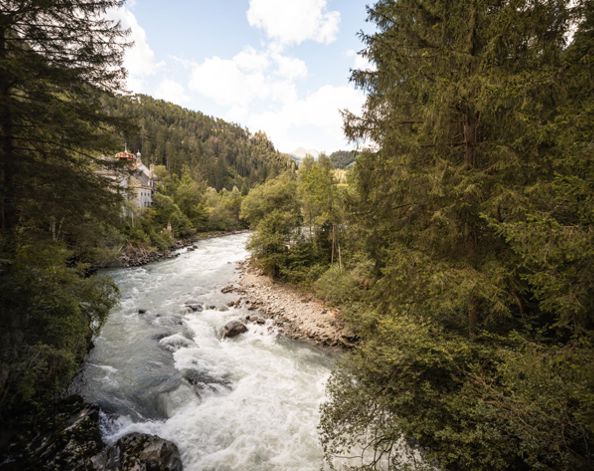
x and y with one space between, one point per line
460 251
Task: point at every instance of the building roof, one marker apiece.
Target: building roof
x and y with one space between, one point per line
126 155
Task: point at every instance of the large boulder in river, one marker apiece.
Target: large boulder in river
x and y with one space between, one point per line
67 436
139 452
233 329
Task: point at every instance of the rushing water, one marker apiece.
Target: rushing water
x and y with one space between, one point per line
249 403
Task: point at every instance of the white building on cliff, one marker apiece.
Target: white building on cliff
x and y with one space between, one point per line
133 178
141 182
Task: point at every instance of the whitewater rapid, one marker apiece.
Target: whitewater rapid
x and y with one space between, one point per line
249 403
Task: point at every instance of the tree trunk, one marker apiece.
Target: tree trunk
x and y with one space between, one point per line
471 117
8 210
470 139
333 244
473 317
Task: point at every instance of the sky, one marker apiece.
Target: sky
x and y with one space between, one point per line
280 66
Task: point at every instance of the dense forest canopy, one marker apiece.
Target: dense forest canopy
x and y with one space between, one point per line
343 158
223 154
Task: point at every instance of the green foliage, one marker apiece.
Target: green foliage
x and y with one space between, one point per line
277 211
272 239
343 158
189 198
346 287
273 212
317 191
224 209
276 194
489 403
50 308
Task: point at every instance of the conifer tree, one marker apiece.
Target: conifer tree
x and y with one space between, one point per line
476 213
56 60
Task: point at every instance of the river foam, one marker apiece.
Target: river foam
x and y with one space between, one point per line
248 403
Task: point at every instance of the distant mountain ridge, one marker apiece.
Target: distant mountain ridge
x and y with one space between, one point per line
301 152
340 159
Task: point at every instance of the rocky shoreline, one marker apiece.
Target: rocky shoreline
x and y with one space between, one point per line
136 256
297 315
68 437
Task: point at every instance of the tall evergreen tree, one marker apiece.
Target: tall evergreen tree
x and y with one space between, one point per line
476 212
56 58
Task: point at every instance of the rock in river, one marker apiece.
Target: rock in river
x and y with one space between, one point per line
68 437
233 329
256 319
139 452
194 306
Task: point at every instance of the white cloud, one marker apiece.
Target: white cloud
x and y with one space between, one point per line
317 115
294 21
258 89
172 91
249 76
290 67
139 59
250 60
223 81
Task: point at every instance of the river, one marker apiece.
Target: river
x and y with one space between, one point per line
248 403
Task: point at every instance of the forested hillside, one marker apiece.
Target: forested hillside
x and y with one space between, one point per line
223 154
343 158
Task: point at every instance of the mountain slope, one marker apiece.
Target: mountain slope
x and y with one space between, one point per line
222 153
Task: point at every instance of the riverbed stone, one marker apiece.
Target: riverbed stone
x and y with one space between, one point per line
255 319
194 306
139 452
67 436
175 342
233 329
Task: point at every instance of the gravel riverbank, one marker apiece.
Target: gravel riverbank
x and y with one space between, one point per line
298 315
